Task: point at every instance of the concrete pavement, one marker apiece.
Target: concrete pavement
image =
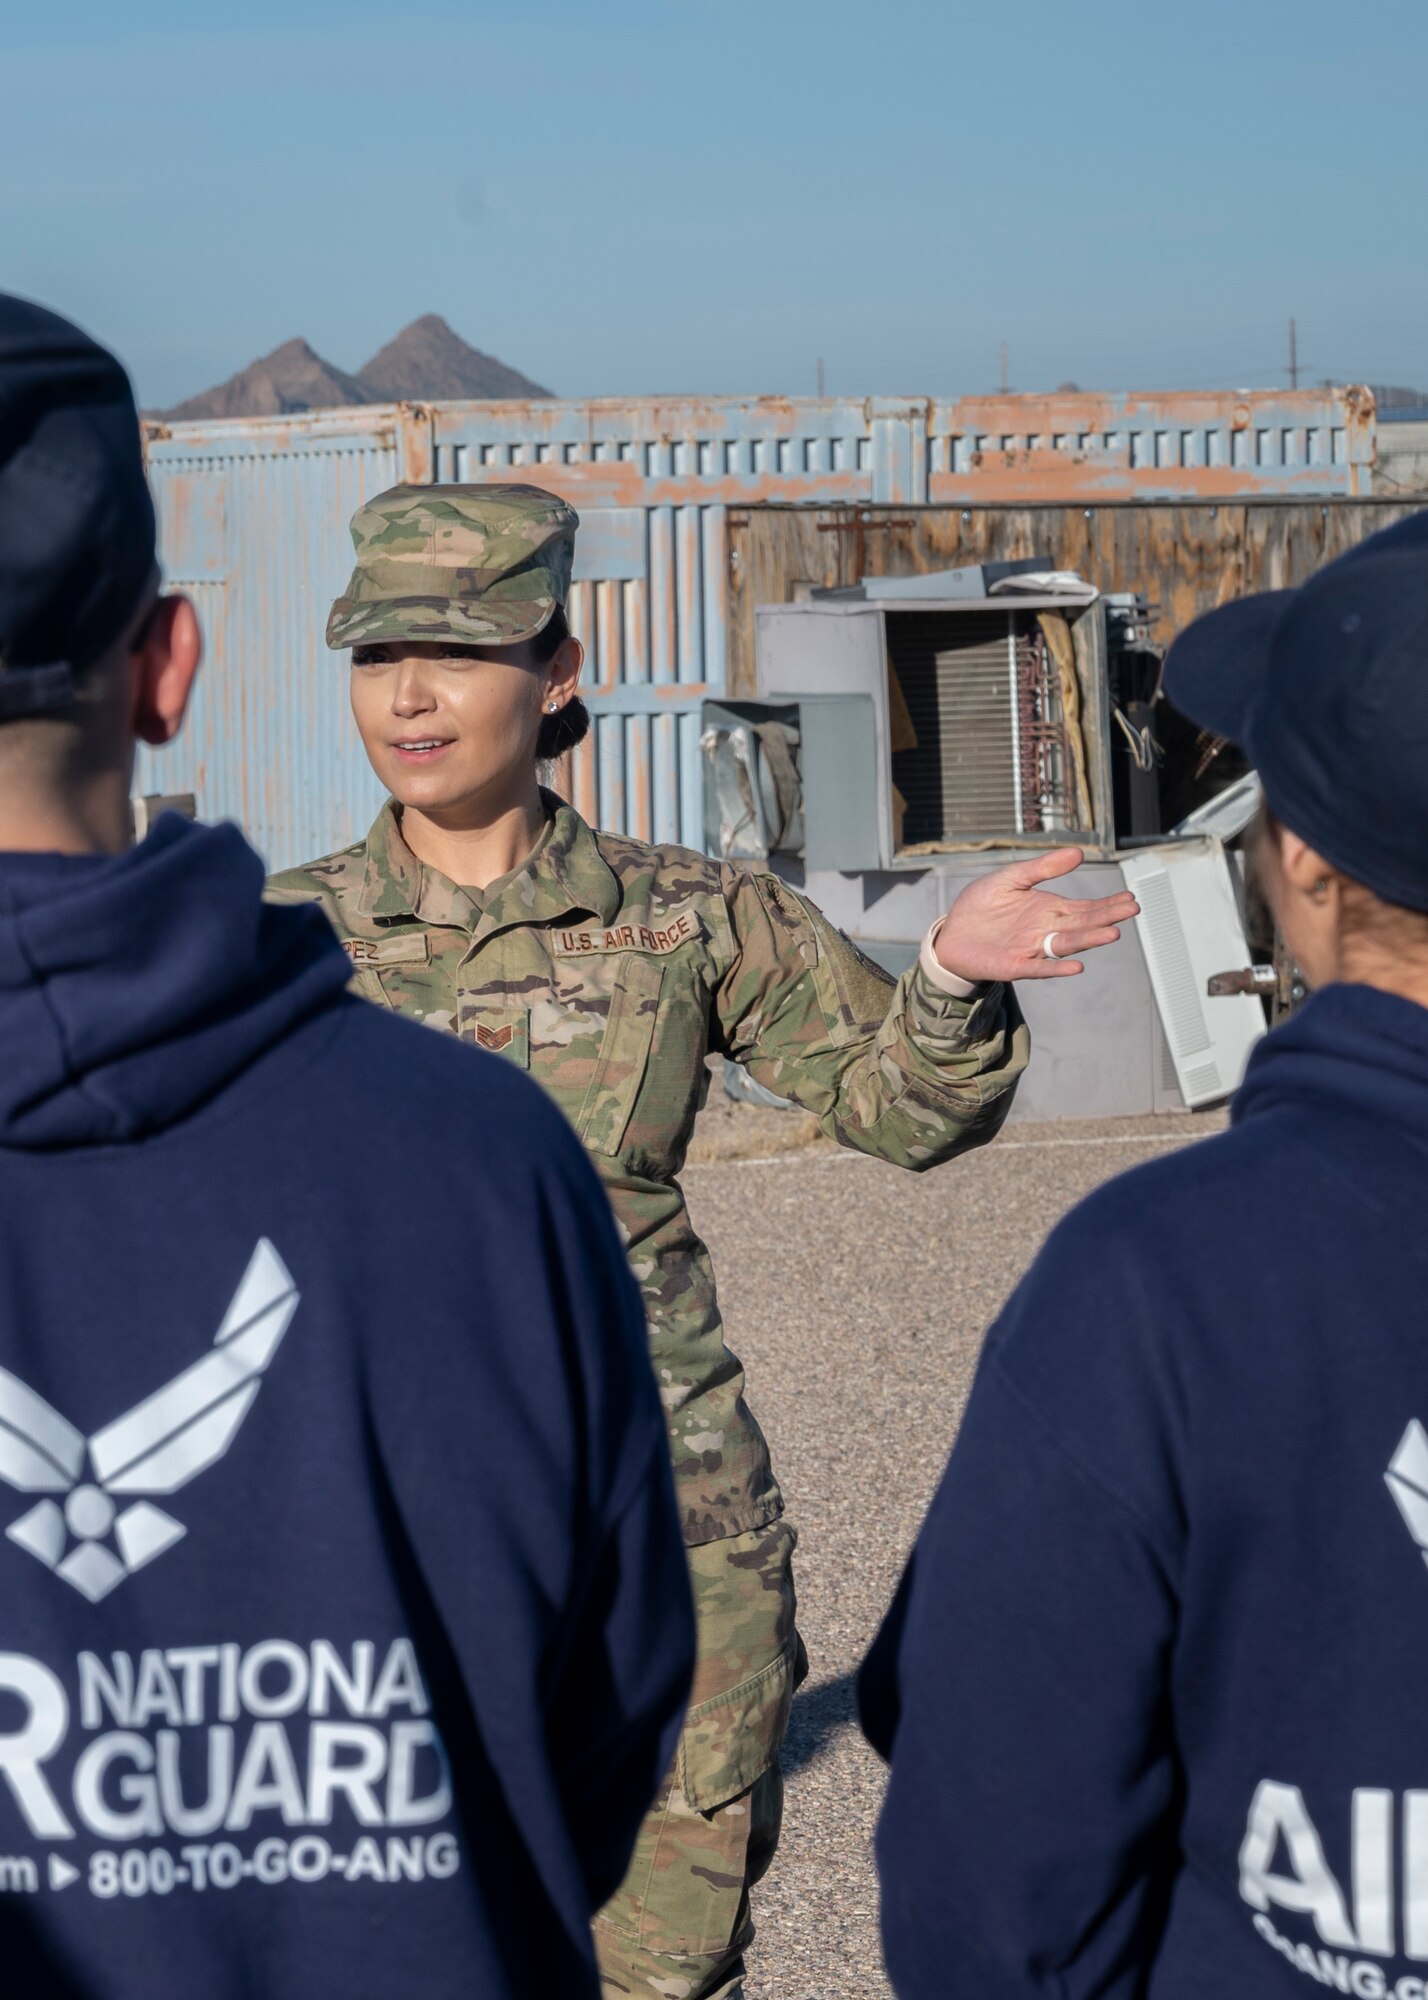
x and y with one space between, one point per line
857 1297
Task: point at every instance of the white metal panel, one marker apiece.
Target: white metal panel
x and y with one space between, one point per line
1189 929
1229 812
1094 1043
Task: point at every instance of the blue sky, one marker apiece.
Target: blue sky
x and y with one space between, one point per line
630 196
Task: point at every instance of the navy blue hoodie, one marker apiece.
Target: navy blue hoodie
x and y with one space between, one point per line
344 1625
1156 1688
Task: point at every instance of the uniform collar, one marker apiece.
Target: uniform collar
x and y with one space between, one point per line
396 884
565 874
574 867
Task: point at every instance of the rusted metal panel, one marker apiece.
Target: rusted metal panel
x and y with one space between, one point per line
1212 446
255 512
690 464
1183 559
416 431
773 450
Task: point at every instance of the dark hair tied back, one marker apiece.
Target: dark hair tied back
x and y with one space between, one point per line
570 725
563 730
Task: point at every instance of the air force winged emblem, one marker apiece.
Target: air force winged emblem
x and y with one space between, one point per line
1407 1478
92 1540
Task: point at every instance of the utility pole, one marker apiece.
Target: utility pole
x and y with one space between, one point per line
820 375
1293 356
1004 368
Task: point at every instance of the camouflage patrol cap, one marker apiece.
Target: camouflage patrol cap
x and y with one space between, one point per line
476 565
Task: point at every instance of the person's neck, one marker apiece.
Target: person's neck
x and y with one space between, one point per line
99 821
475 846
1405 975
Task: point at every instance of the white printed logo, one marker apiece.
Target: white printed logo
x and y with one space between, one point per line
1382 1906
1407 1478
157 1447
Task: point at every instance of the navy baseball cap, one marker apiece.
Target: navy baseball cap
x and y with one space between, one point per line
1325 689
77 529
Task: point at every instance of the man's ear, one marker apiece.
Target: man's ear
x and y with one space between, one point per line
165 661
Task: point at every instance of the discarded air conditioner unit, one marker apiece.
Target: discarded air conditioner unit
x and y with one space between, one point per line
903 742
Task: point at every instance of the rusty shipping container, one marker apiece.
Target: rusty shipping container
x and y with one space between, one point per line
693 510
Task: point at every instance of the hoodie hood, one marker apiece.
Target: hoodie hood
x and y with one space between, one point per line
134 986
1349 1049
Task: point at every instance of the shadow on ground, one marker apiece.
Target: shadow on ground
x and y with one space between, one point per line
817 1715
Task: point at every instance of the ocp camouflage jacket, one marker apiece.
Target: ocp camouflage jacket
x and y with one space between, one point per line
611 970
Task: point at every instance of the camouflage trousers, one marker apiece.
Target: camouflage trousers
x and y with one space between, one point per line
677 1926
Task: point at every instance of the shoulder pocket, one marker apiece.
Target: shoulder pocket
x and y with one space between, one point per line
624 1053
731 1740
852 992
856 992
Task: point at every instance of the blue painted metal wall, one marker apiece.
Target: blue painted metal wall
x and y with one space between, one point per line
254 527
254 523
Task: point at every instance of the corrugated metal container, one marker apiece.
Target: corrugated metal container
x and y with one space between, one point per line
254 523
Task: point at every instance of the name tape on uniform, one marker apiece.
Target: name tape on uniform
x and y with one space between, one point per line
679 927
389 951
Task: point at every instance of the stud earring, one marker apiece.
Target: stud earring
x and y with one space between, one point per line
552 706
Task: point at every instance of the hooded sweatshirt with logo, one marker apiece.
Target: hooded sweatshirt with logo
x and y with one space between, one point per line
344 1625
1156 1684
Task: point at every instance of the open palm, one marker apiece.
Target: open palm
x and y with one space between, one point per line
998 926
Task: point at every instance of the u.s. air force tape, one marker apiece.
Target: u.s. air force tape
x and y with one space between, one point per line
658 939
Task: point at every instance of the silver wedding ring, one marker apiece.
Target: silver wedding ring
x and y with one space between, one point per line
1046 946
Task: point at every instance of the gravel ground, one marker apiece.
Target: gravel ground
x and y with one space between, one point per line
857 1297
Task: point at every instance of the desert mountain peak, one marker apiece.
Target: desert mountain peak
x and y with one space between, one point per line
427 362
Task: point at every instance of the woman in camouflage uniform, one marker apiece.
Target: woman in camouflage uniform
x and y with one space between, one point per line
484 906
